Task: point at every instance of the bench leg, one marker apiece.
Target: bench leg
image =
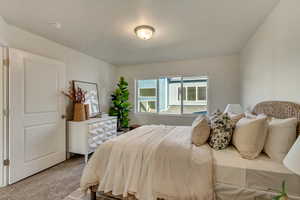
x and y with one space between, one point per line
93 195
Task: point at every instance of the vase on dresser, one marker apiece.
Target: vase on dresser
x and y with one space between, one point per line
79 112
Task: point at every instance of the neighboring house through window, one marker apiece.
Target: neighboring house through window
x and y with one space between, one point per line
147 96
164 95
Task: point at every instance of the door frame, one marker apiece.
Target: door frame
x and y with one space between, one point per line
4 115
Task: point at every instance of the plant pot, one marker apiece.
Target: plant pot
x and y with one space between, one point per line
79 112
87 111
119 128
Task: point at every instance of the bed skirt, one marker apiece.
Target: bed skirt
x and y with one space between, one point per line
223 192
231 192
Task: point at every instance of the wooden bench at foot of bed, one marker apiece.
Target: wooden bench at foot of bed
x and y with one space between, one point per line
110 195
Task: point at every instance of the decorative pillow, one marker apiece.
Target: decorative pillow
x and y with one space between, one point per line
250 135
236 117
221 131
253 116
281 137
200 130
215 114
250 115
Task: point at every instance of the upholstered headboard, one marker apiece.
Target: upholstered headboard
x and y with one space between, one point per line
279 109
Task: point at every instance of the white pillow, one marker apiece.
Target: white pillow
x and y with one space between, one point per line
281 137
250 115
236 117
249 136
253 116
200 130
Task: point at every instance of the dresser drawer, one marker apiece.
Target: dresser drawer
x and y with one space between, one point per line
86 136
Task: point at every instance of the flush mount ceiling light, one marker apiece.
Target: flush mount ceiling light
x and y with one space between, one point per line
144 32
56 25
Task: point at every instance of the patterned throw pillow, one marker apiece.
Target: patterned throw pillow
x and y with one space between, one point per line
221 130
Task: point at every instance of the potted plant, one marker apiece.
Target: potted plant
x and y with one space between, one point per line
120 105
283 195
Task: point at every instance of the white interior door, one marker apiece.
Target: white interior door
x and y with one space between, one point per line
37 135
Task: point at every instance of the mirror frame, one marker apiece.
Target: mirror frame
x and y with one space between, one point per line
75 84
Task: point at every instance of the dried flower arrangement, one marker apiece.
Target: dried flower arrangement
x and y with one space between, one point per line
78 97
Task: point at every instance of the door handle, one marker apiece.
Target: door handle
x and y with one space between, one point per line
63 116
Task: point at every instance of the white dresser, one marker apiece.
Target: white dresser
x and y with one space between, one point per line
86 136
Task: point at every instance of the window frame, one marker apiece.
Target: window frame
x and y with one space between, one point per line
197 93
147 96
137 95
189 90
181 114
146 101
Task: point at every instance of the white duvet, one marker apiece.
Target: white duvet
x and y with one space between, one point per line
152 162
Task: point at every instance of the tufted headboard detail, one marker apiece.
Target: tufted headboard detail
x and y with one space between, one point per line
279 109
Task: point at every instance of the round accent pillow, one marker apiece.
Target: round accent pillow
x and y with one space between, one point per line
200 130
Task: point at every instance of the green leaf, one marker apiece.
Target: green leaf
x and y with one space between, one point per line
283 187
120 106
277 197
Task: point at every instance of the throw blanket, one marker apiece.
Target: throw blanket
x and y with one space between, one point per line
152 162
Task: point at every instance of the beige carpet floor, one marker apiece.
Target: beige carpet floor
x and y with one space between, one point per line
55 183
77 195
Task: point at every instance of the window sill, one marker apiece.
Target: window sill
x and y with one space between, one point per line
167 115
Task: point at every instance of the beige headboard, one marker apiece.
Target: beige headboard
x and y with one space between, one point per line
279 109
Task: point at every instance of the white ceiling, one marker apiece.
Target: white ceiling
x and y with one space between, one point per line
185 29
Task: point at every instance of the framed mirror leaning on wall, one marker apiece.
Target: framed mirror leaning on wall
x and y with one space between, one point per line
92 97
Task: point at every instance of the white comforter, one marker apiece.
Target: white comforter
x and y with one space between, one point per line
152 162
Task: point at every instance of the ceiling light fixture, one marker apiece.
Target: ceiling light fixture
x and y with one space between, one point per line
56 25
144 32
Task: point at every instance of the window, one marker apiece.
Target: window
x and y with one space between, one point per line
201 93
193 104
168 95
147 106
176 95
191 93
147 97
147 92
179 93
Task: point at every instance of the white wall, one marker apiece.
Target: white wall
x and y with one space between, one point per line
79 66
3 27
270 62
223 73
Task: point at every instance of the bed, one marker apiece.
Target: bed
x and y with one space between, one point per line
238 178
234 177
